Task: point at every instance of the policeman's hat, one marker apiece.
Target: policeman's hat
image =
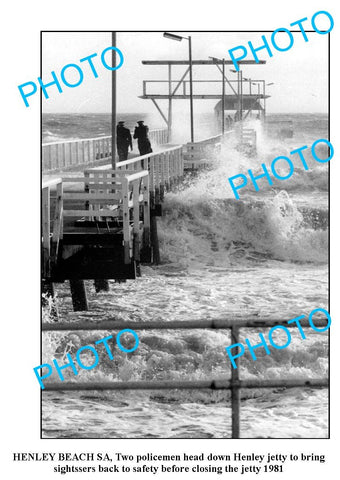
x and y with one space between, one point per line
140 121
121 123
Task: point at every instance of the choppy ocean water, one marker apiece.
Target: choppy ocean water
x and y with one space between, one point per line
265 256
59 127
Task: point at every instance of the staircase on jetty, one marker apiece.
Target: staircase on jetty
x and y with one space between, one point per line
246 140
100 227
100 223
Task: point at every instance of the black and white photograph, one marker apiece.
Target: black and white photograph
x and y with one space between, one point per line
206 228
169 240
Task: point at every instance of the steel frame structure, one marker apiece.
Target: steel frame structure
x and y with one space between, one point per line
174 85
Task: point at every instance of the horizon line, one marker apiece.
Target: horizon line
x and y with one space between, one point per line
146 113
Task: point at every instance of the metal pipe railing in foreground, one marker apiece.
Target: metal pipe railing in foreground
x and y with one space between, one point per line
235 384
113 324
217 384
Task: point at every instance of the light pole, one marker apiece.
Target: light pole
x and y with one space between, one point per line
179 38
113 105
241 83
214 59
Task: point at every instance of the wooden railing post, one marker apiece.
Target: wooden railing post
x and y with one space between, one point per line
135 201
152 175
126 219
162 176
146 211
57 224
46 242
168 176
102 284
157 178
78 293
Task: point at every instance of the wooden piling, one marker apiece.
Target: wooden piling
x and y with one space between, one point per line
154 239
157 195
161 192
153 229
101 285
78 293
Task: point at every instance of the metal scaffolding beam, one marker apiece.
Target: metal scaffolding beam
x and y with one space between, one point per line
200 62
214 96
173 94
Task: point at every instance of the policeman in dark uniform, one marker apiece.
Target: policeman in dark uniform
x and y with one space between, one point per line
124 140
141 133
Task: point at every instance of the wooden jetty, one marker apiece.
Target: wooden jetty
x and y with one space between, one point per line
97 223
100 224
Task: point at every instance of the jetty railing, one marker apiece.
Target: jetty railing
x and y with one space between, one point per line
202 152
235 384
104 195
166 169
72 153
161 87
48 226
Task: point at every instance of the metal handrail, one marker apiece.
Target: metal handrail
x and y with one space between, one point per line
112 323
234 384
217 384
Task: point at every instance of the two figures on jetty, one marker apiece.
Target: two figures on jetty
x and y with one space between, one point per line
124 140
